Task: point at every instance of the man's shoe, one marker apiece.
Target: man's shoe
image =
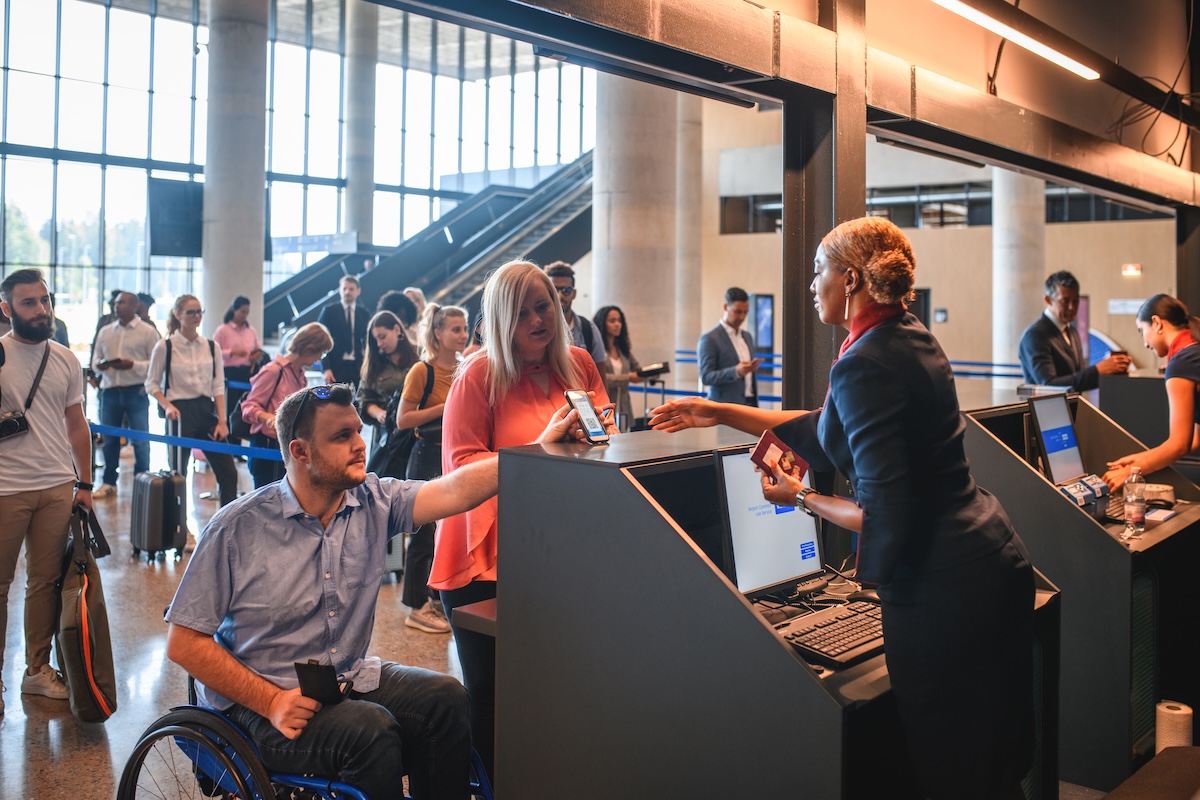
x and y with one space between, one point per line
47 682
105 490
428 619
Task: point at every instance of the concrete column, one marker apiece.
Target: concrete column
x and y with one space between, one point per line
362 54
235 168
633 210
1018 259
688 208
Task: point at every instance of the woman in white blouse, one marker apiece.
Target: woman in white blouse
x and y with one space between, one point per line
620 368
191 389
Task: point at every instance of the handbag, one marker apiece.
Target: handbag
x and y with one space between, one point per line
431 431
238 427
82 640
391 458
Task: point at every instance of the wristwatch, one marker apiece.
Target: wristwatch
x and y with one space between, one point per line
800 495
87 487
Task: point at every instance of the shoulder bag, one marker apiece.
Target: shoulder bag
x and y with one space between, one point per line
82 640
238 427
391 457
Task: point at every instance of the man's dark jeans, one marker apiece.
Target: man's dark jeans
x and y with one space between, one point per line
415 723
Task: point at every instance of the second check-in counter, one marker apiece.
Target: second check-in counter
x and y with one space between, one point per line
1129 607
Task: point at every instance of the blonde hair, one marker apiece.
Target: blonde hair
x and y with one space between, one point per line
503 295
432 321
879 251
173 323
312 338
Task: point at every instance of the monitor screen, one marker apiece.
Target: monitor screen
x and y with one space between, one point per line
1056 435
770 546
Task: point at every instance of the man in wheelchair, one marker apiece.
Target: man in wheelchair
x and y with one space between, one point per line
291 573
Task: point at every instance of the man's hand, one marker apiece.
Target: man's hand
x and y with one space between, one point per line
329 376
1116 364
290 712
744 368
83 497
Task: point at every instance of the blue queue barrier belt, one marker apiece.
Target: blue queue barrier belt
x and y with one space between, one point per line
769 398
265 453
239 385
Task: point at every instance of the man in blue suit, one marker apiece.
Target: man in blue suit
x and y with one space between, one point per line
726 354
1051 350
347 323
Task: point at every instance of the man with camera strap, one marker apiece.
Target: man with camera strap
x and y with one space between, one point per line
46 453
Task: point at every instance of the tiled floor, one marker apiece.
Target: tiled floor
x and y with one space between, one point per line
46 754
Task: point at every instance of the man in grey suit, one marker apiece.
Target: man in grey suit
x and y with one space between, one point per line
1051 351
726 354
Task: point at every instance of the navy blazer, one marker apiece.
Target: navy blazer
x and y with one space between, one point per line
333 317
891 425
1046 358
718 366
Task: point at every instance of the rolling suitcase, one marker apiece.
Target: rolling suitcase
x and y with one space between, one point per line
394 561
159 513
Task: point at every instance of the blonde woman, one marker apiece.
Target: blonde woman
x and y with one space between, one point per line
282 376
187 378
510 393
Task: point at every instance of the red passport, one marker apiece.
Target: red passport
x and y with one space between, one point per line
771 450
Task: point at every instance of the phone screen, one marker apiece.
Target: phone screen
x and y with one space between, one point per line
593 428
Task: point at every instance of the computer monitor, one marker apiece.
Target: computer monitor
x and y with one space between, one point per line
1055 430
771 547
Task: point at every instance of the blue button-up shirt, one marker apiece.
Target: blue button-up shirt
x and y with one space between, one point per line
273 587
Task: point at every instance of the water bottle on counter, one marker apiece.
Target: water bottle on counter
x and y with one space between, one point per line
1135 503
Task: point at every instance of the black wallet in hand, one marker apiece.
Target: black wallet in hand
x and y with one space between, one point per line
319 681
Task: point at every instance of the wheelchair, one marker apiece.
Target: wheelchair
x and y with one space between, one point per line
193 752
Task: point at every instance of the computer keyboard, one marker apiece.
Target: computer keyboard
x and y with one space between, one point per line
1116 507
838 636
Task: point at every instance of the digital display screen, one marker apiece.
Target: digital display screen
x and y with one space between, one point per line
1056 433
587 413
770 545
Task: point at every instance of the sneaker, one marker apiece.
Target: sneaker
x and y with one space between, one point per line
105 490
428 619
47 682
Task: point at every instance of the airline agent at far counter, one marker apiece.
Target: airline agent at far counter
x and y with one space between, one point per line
955 584
1171 332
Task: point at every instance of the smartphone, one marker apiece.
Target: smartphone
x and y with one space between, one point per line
593 428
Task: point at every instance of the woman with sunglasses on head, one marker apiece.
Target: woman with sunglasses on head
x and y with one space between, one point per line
1172 333
509 393
389 358
955 583
187 379
443 335
270 385
620 368
240 348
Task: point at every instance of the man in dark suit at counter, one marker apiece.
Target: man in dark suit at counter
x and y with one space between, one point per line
726 354
1051 351
347 323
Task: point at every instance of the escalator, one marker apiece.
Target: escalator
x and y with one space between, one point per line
451 259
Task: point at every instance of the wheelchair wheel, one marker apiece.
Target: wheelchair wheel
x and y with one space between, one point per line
194 753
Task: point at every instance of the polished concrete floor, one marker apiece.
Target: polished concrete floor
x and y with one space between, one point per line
46 754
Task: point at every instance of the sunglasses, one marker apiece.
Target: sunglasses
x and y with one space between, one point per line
565 290
320 392
194 312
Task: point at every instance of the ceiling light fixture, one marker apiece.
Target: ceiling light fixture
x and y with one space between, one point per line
1005 27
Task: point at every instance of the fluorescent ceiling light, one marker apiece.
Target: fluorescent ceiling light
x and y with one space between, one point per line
1016 37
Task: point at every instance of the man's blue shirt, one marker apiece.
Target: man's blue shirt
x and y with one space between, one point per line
275 588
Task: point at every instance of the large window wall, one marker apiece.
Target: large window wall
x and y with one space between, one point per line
99 95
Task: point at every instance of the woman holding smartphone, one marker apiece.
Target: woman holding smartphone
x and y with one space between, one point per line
620 368
1171 332
191 390
955 584
509 393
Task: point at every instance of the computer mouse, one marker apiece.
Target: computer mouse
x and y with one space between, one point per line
870 595
1160 503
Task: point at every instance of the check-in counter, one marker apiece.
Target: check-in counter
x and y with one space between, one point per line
1129 607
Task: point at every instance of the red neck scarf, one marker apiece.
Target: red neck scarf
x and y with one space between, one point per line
871 317
1184 339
